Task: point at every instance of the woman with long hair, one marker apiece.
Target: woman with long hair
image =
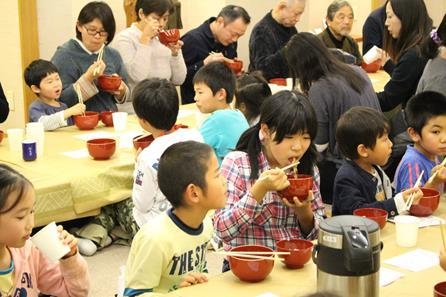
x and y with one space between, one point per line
434 48
333 87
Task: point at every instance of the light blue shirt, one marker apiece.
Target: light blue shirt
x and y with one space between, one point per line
222 131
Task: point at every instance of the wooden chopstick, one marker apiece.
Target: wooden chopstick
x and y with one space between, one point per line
417 184
100 54
243 255
431 179
442 226
290 166
140 137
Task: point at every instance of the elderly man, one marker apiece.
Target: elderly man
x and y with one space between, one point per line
339 25
214 40
269 37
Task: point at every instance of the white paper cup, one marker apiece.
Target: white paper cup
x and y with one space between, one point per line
406 230
372 55
15 137
119 120
48 242
36 131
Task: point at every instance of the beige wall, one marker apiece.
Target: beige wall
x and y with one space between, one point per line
57 19
10 70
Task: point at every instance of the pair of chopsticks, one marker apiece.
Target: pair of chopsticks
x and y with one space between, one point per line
431 179
285 168
252 255
101 53
417 184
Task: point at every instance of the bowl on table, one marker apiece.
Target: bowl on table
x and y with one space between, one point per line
377 214
2 135
427 204
142 142
372 67
280 81
440 289
300 252
299 187
250 269
109 83
107 118
87 121
169 36
101 148
235 65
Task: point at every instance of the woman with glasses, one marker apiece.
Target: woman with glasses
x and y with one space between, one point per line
78 63
143 54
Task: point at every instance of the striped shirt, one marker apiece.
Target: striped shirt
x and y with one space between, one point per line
245 221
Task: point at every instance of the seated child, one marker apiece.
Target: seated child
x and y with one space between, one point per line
426 120
214 87
255 213
155 102
43 79
250 92
169 253
24 270
362 137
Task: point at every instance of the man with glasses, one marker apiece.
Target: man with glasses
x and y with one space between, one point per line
269 37
214 40
339 25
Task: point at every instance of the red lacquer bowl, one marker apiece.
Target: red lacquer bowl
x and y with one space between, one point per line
249 269
298 187
101 148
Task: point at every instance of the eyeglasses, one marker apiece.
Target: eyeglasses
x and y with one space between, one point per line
93 32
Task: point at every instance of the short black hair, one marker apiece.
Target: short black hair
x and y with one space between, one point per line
360 125
180 165
97 10
230 13
422 107
251 89
12 181
159 7
37 70
216 75
156 101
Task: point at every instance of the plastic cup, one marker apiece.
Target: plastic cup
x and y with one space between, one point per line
372 55
36 131
406 230
15 137
48 242
119 120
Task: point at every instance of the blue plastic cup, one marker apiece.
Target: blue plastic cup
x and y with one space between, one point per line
29 151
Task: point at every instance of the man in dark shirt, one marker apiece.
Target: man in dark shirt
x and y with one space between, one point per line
214 40
270 35
339 21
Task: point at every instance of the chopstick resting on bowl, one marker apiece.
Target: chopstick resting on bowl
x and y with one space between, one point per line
252 255
431 179
417 184
101 53
141 136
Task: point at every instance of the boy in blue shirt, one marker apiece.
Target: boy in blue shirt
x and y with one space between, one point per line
426 120
214 86
362 137
43 79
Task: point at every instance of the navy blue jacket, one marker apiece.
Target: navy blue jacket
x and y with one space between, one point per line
355 188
